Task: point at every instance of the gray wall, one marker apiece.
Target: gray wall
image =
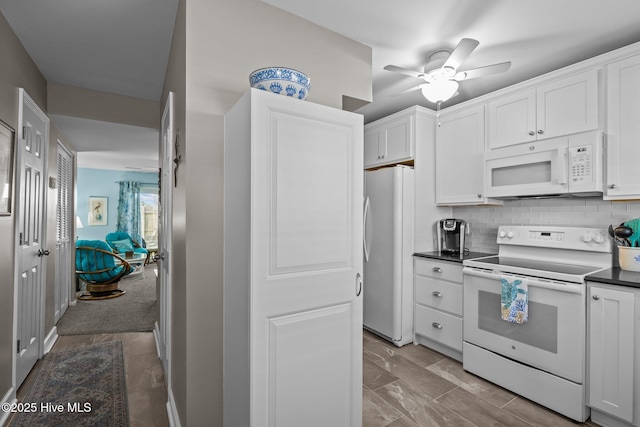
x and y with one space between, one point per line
590 212
216 45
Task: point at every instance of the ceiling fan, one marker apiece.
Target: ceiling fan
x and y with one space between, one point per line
441 73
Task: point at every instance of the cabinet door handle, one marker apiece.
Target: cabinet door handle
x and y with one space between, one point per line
479 195
540 131
437 270
612 186
436 294
531 133
358 284
596 297
436 325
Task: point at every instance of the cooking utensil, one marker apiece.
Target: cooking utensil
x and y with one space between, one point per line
623 232
617 241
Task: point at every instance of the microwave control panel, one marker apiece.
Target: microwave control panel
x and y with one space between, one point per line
580 163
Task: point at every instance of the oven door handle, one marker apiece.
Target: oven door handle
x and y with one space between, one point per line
573 288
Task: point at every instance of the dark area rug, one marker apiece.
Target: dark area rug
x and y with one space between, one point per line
83 386
135 311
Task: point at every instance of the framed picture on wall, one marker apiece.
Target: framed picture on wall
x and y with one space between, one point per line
6 168
97 210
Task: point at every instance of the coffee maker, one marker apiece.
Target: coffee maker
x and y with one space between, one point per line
451 233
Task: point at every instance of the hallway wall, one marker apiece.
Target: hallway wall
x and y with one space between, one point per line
17 70
215 47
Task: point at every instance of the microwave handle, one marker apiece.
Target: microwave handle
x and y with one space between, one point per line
563 166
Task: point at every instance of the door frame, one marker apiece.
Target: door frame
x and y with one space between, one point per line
163 337
25 99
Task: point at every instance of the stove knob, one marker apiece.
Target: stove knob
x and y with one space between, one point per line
586 238
510 234
502 234
598 238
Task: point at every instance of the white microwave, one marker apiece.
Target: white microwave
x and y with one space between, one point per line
568 165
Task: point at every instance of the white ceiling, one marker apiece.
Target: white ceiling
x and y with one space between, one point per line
537 36
122 47
115 46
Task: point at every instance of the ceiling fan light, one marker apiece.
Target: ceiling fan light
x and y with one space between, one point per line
440 91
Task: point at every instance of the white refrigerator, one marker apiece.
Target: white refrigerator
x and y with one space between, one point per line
388 252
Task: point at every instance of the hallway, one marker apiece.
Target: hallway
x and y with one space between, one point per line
146 388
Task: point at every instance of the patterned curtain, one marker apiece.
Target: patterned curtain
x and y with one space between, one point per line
129 209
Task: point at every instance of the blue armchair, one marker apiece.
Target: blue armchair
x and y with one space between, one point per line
100 269
122 242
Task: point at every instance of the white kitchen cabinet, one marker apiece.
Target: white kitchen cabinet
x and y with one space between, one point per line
438 305
293 189
561 107
623 130
460 158
613 340
390 140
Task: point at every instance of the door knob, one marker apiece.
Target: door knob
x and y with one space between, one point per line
595 297
158 257
45 252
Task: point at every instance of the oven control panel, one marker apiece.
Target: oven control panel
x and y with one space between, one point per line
578 238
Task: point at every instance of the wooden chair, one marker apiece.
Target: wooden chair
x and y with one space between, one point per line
100 269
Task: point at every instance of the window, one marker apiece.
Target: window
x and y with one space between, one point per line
149 217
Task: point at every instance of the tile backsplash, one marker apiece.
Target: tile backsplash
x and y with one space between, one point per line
578 212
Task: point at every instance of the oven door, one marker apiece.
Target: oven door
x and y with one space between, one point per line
553 338
527 169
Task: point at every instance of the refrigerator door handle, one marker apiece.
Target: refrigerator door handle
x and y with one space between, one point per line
364 234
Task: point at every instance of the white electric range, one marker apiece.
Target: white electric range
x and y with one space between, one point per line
542 359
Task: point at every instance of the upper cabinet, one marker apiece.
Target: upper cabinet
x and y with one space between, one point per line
623 129
390 140
561 107
459 158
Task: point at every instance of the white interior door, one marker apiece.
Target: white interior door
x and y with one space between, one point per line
31 232
164 243
64 239
306 256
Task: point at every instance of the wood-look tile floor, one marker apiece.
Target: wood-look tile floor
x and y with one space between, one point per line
415 386
146 389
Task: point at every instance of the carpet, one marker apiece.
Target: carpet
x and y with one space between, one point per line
135 311
83 386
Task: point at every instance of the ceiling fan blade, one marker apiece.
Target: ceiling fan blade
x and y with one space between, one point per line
460 53
405 71
411 89
483 71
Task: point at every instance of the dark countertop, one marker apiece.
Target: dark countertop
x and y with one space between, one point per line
616 276
451 257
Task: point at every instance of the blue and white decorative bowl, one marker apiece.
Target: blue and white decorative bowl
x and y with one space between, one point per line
629 258
280 80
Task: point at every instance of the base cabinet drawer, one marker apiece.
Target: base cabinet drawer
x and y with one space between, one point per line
438 326
439 294
439 270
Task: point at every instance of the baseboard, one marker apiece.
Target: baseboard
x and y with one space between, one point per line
172 411
51 339
9 397
156 331
447 351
